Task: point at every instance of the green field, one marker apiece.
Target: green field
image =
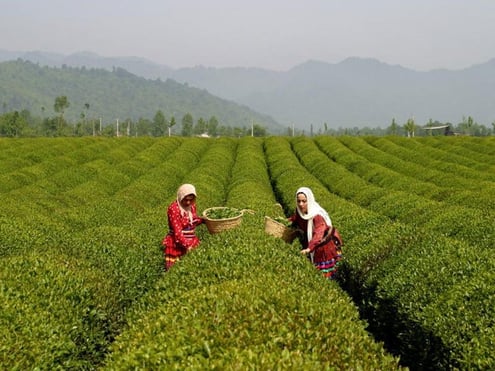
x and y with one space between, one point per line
82 284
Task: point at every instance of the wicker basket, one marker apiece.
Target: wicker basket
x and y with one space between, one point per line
219 225
279 230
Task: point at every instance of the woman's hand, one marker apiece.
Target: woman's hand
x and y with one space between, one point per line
305 251
199 220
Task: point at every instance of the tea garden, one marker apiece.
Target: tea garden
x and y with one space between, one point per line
82 283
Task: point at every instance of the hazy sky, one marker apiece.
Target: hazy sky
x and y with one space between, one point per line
271 34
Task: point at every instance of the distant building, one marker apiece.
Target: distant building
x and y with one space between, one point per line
447 130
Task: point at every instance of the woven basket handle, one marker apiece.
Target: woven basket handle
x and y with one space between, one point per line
278 210
249 211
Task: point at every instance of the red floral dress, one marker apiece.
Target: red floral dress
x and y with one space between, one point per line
325 248
181 235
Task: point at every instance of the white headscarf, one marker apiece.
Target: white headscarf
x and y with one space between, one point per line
314 209
183 191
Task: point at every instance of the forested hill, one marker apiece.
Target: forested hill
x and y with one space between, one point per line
355 92
115 94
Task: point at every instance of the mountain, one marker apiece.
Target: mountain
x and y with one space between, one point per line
116 94
137 66
356 92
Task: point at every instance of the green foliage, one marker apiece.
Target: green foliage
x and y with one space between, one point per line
109 95
222 213
187 125
233 312
82 221
282 221
12 125
396 247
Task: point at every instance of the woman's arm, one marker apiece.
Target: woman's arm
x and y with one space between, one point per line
319 228
197 220
175 222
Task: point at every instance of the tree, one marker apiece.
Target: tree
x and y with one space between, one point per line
259 131
159 124
61 104
393 128
12 124
143 127
86 107
187 125
171 124
467 125
212 126
225 131
201 127
238 132
410 127
49 126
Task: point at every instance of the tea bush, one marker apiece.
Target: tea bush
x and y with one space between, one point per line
81 280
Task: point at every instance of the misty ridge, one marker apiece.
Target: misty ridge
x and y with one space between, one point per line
353 93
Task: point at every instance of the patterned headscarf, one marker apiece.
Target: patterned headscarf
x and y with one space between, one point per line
183 191
314 209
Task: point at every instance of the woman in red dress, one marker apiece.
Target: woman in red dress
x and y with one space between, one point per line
182 222
320 240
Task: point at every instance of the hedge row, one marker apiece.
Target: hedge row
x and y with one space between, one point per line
471 191
459 221
70 270
244 299
81 225
406 274
445 164
468 150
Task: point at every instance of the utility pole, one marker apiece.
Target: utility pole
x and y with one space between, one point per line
118 134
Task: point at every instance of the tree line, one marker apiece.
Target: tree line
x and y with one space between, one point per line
410 128
23 123
112 95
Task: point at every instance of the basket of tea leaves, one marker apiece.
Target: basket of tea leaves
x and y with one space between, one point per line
281 227
218 219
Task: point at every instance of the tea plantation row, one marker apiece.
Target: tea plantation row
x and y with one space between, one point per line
81 279
419 266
